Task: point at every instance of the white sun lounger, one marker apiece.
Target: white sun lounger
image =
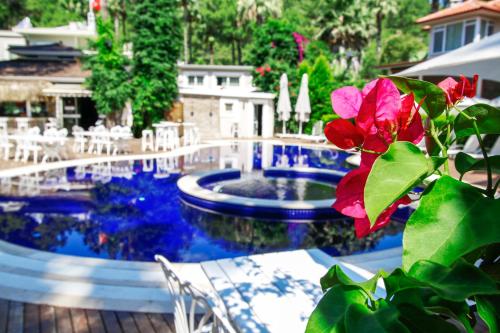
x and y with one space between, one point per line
275 292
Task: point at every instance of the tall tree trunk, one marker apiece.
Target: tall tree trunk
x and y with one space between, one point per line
123 15
380 17
434 6
238 49
116 21
186 30
104 9
212 52
233 55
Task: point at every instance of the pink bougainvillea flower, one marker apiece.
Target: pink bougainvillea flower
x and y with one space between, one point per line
362 225
350 192
380 107
346 102
456 91
381 117
343 134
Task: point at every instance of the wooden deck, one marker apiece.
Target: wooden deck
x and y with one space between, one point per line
18 317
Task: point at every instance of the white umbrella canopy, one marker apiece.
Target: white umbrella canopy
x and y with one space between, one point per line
284 106
303 105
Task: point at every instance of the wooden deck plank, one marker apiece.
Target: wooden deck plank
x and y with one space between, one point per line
110 321
95 322
169 320
31 318
47 319
127 322
79 320
142 322
4 312
159 324
239 309
63 320
15 321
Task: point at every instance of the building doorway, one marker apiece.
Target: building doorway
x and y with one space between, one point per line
79 111
88 112
257 122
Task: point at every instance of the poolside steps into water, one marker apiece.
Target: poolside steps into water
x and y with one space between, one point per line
38 277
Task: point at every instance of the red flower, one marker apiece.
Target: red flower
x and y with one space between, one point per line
350 202
381 116
260 70
456 91
96 5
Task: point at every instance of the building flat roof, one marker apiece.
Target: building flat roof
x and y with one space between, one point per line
228 93
468 6
215 67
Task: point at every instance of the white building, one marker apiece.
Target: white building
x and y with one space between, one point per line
222 101
7 39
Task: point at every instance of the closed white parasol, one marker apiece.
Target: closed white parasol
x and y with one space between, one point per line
303 106
284 106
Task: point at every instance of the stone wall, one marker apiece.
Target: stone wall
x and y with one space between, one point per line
204 112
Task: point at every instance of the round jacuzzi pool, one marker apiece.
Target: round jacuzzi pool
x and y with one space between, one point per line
132 210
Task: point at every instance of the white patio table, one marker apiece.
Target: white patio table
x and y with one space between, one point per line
167 126
51 145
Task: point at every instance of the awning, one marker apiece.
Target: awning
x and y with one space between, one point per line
67 90
482 58
20 91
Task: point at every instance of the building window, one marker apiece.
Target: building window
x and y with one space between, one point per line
195 80
232 81
486 28
438 39
13 109
453 36
228 107
39 109
470 32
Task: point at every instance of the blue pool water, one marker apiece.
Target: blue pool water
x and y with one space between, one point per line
131 210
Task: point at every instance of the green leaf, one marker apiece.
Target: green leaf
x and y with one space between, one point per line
360 319
453 219
393 174
329 314
420 321
398 281
487 120
426 300
456 283
488 308
464 162
336 276
435 101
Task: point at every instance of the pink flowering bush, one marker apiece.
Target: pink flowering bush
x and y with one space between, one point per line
450 275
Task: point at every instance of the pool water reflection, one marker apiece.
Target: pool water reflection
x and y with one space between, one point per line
132 210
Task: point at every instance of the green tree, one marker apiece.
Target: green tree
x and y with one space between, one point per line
345 23
320 88
157 41
11 12
110 80
50 13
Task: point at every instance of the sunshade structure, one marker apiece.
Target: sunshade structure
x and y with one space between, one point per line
303 106
284 106
482 58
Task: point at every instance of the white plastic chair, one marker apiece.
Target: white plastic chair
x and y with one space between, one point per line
147 140
79 140
5 145
189 300
27 145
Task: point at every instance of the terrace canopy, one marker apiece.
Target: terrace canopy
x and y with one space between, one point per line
482 58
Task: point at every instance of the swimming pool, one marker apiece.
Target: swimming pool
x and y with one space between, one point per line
131 210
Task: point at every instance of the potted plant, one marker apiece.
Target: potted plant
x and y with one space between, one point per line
451 243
